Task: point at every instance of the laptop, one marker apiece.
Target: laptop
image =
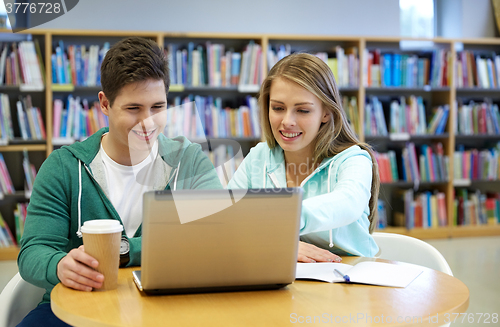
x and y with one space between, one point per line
196 241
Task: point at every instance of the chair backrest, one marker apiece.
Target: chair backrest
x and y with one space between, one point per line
17 299
411 250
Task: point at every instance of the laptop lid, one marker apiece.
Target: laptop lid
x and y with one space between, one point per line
211 240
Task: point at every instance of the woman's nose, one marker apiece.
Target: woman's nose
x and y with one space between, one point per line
288 119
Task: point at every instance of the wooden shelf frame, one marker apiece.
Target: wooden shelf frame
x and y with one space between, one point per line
9 253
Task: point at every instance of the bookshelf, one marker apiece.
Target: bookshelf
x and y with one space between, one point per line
357 52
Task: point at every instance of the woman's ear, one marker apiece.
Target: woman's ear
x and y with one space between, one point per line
326 116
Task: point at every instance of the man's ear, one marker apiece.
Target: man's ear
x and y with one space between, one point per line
104 102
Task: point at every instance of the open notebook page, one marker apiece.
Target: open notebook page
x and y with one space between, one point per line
368 272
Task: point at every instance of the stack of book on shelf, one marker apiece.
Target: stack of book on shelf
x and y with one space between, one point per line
480 70
478 118
30 120
374 118
276 53
6 237
382 215
476 164
476 208
198 117
432 164
344 63
423 210
6 186
407 70
77 121
211 65
225 162
345 66
441 68
77 64
6 130
20 214
29 174
408 116
251 67
388 169
350 106
437 124
21 65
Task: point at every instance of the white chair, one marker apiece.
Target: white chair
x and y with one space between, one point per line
411 250
408 249
17 299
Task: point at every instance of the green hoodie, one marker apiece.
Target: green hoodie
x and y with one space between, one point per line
53 224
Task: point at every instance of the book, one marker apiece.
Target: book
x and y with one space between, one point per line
7 234
367 272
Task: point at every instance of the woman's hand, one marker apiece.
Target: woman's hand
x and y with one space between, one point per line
312 253
76 271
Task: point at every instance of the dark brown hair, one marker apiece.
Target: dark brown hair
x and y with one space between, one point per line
335 135
134 59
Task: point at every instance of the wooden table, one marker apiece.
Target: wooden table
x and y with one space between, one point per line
431 297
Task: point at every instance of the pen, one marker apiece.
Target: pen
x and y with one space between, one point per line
346 277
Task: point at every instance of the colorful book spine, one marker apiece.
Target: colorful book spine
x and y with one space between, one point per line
200 117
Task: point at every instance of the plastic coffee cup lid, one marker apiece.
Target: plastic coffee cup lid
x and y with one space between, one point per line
101 226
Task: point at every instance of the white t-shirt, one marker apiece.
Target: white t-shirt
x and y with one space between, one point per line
125 190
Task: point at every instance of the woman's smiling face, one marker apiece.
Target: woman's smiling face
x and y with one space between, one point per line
295 116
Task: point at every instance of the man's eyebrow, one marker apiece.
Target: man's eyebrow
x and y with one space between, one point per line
297 104
133 104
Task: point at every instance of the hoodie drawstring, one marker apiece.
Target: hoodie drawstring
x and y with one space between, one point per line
329 190
264 174
79 232
177 175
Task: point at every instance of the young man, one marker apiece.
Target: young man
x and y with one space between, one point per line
106 175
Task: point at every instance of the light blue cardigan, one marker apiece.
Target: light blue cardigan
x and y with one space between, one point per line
335 207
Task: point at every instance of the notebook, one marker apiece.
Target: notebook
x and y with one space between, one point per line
196 241
367 272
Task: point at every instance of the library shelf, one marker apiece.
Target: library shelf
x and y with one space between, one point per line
63 88
22 147
16 88
18 195
348 89
460 138
420 184
475 230
435 96
237 139
396 90
420 233
9 253
478 90
466 182
176 88
404 137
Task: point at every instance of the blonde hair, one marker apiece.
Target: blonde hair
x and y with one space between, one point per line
336 134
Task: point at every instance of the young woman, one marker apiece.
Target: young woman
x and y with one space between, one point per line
309 143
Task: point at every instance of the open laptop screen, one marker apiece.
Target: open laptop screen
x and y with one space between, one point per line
196 239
